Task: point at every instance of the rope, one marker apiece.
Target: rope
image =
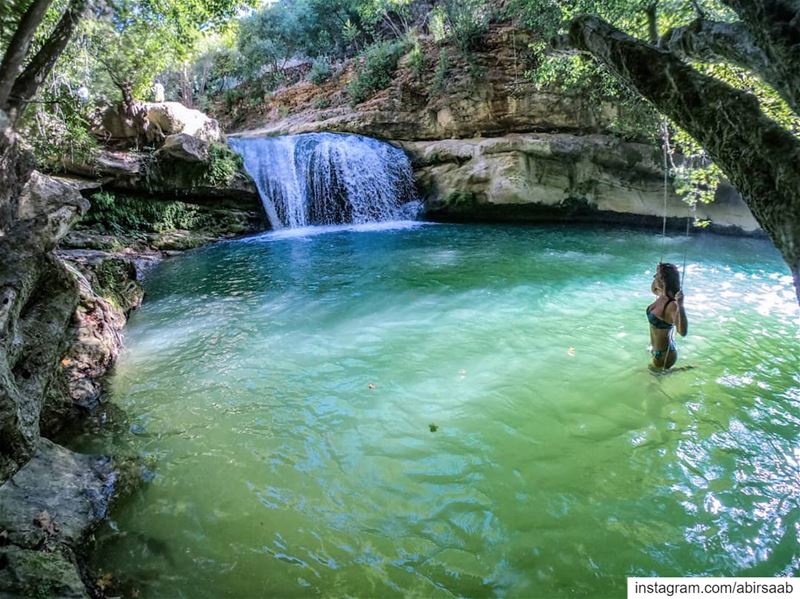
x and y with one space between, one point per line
665 152
686 247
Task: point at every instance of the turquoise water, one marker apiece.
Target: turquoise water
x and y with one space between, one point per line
442 411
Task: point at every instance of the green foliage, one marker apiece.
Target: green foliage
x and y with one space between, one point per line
138 40
115 280
437 24
117 215
58 130
696 177
466 21
320 71
440 74
698 183
416 60
322 103
269 38
376 69
582 77
222 166
218 171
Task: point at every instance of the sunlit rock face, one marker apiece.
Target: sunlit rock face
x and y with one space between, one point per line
37 299
159 119
485 94
559 176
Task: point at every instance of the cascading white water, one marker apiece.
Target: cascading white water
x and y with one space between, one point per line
326 178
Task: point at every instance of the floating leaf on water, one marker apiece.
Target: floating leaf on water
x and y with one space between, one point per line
104 581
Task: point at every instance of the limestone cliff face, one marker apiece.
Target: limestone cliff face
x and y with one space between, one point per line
183 169
488 145
446 97
530 177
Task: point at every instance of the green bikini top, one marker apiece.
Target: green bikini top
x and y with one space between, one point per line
655 320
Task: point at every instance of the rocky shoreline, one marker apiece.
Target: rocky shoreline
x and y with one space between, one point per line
73 254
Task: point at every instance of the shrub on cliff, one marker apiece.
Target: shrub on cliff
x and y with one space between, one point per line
222 166
464 22
375 69
320 71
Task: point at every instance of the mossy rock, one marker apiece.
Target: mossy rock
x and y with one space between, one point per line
115 281
31 573
219 170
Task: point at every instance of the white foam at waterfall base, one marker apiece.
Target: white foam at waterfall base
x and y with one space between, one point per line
329 179
392 225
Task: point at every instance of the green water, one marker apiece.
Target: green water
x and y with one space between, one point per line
284 388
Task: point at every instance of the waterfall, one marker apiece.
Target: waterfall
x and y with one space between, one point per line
326 178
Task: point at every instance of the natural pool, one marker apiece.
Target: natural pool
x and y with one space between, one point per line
285 387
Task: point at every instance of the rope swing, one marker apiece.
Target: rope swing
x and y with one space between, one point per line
667 154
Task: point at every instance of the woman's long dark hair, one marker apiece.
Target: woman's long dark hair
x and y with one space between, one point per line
671 277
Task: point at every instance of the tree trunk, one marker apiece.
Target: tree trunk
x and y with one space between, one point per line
796 279
714 41
774 26
18 48
759 157
652 22
186 87
27 84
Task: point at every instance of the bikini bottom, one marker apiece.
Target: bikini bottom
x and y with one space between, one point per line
657 353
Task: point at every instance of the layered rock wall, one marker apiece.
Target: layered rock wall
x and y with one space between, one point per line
534 177
450 96
488 145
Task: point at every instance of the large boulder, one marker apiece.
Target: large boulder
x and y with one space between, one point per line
153 121
185 148
170 118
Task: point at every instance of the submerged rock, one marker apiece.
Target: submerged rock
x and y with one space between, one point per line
59 496
47 510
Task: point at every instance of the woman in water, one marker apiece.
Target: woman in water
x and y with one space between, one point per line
665 314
